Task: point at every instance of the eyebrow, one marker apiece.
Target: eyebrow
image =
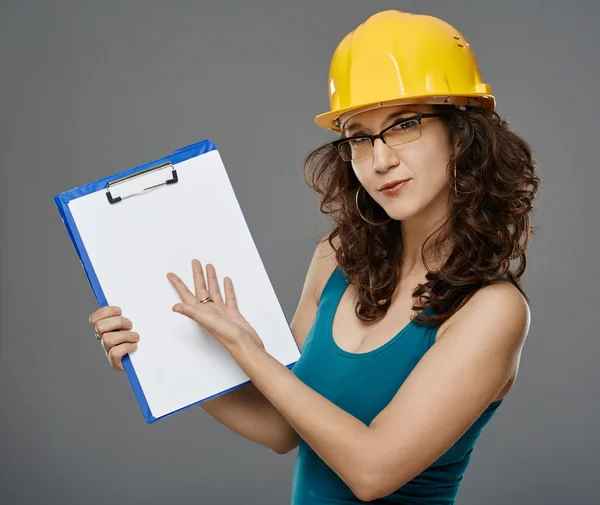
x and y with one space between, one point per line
393 115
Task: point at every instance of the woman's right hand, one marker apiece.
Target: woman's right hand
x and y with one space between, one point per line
115 333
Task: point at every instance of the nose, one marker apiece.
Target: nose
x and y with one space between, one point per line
384 157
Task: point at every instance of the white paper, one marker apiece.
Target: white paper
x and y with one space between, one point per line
134 243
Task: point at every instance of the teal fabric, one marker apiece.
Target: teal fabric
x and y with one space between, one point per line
363 384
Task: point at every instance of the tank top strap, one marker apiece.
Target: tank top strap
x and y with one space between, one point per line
334 287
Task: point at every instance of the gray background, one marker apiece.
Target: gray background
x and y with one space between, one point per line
89 89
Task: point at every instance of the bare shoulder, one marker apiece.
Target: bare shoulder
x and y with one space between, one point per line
321 266
500 304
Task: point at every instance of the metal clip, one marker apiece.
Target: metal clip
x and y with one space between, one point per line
173 180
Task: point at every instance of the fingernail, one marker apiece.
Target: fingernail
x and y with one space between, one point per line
177 308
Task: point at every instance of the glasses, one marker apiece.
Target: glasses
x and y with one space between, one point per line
401 132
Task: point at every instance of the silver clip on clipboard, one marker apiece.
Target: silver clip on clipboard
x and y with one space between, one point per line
173 180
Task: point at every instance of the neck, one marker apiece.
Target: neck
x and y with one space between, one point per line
415 232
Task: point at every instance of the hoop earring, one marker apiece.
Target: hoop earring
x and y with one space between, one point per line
455 192
363 217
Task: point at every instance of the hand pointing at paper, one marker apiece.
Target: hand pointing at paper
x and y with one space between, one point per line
221 318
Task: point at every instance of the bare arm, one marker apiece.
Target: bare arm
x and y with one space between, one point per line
246 411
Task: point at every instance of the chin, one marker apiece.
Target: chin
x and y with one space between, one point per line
401 212
403 217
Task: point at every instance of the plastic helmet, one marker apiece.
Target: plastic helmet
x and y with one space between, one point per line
397 58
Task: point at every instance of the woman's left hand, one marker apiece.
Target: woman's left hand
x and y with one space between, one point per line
222 319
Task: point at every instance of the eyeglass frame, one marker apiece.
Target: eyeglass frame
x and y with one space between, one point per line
336 143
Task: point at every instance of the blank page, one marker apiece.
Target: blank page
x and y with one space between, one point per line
134 243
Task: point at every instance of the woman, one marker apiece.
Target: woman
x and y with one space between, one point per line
431 194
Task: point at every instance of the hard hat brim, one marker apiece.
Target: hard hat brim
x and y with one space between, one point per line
329 120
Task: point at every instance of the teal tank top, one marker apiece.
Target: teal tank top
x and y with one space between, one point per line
363 384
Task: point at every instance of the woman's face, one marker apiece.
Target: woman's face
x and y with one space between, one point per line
422 161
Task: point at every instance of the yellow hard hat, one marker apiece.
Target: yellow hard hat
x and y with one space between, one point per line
397 57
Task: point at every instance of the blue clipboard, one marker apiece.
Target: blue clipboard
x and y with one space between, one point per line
62 202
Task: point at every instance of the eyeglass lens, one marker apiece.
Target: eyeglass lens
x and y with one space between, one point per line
402 133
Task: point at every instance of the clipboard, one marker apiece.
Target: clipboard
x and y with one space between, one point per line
130 229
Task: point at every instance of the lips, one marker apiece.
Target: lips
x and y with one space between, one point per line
391 184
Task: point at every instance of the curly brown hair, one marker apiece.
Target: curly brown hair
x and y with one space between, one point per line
485 236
